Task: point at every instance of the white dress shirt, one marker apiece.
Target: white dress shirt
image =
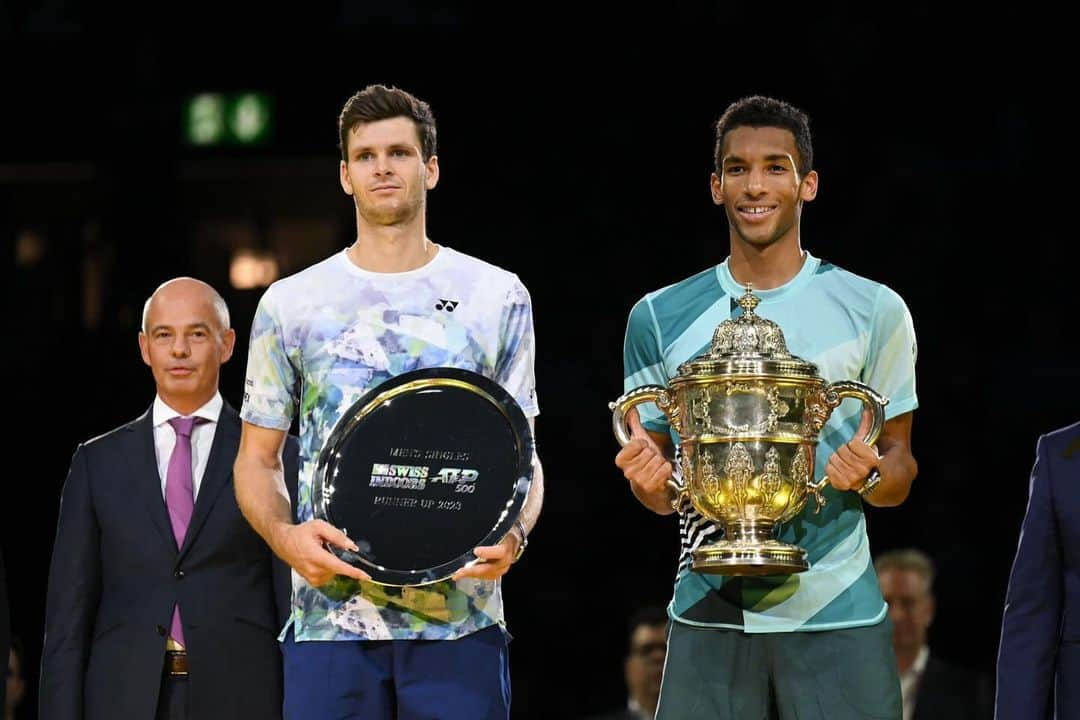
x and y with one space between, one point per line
909 681
637 711
202 438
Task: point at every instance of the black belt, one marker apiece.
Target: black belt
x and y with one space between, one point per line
176 662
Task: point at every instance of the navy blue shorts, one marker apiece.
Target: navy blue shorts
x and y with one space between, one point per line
463 679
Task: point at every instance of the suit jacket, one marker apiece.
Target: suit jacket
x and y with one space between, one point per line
953 692
1039 654
116 574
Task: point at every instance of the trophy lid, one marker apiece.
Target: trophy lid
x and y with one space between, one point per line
748 345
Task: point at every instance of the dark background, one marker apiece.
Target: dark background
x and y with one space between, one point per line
575 147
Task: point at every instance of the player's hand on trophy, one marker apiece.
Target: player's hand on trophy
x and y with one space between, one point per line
645 465
303 547
850 465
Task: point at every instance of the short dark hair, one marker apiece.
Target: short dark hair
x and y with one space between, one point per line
908 559
382 102
648 615
758 111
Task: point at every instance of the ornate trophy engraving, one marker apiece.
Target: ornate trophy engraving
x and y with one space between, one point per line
748 414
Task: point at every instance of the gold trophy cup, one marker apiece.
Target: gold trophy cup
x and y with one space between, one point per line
748 414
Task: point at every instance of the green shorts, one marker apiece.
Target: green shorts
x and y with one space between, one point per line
722 674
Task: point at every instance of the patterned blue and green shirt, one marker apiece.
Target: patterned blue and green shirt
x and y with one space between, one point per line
325 336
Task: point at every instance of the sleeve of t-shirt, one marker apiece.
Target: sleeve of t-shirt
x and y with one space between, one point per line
271 382
643 362
515 367
890 362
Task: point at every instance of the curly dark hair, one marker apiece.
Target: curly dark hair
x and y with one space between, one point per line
759 111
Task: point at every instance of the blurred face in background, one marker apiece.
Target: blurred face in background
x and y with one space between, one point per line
16 686
911 607
645 664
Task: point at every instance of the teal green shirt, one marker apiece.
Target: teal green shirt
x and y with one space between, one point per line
852 328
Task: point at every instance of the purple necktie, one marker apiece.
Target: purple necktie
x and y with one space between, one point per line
180 495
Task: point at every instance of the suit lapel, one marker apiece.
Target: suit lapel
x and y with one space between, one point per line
218 471
142 459
936 695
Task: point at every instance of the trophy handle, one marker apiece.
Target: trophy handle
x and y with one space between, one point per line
832 395
647 393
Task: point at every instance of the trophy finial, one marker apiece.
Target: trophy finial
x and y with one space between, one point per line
748 301
748 334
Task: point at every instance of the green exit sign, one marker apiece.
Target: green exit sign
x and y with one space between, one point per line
217 119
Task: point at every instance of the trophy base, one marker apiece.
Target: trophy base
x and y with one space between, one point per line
769 557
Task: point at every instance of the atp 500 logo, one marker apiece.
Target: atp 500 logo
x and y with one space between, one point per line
463 479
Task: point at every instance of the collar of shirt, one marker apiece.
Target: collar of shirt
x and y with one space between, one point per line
210 411
202 438
920 661
636 710
909 681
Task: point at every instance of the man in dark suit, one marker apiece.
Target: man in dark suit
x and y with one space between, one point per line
931 687
162 601
1038 670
